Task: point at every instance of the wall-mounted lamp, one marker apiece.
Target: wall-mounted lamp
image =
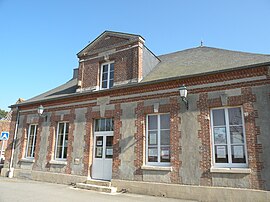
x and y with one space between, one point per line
183 94
40 111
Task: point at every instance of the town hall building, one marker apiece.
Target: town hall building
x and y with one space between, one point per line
197 117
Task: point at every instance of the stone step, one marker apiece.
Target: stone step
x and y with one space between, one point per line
96 187
99 182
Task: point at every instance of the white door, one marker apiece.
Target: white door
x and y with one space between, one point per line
103 154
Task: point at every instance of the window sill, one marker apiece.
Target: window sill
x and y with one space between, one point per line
58 162
28 160
231 170
158 168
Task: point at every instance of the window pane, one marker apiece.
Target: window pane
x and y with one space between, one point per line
105 68
235 116
104 76
165 154
165 121
221 154
220 135
97 127
238 154
152 122
102 125
152 137
110 83
237 135
152 154
112 67
111 75
218 117
104 84
165 137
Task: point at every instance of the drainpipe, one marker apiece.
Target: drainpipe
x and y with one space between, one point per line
11 168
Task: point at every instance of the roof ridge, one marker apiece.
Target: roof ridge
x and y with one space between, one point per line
221 49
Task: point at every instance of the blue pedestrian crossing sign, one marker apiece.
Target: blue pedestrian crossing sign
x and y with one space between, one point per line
4 136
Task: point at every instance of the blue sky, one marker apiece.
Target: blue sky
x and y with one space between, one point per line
39 40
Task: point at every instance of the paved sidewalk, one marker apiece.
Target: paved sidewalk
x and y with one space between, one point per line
19 190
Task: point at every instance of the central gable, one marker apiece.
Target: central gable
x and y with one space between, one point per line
108 40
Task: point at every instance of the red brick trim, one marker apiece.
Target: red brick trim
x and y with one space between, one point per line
246 99
88 139
71 117
141 111
23 140
38 140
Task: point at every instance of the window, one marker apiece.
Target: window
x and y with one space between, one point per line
158 139
107 75
229 144
103 125
61 140
31 141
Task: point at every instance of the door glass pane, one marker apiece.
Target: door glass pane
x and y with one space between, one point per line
218 117
238 154
165 154
165 137
99 147
235 116
109 147
220 136
165 121
152 122
221 154
237 135
152 154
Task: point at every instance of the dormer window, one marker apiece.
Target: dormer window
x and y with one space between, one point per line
107 75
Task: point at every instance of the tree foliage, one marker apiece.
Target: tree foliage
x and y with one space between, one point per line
3 113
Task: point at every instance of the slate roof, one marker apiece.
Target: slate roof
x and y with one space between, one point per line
202 60
194 61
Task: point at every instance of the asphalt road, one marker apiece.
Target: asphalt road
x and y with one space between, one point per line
19 190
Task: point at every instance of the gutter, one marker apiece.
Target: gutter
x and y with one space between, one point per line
11 168
141 84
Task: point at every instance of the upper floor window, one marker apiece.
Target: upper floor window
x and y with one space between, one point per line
229 142
158 139
31 141
61 140
107 75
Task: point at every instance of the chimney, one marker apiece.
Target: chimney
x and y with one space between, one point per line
75 73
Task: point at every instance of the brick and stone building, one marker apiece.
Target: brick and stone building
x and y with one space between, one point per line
121 118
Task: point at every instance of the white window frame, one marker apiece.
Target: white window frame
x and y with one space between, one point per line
101 73
57 135
227 126
32 155
158 145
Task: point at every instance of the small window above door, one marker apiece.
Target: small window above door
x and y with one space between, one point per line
104 124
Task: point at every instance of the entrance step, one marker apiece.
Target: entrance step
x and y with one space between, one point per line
97 185
99 182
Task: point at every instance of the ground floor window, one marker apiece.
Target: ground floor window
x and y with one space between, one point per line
61 140
228 135
31 141
158 139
